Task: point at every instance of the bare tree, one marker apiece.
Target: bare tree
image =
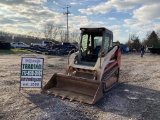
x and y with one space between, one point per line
134 42
55 32
48 30
34 34
129 43
51 31
74 37
62 35
133 37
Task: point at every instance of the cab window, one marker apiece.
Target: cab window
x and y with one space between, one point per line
84 42
106 44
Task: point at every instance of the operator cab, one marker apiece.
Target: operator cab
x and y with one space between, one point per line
93 42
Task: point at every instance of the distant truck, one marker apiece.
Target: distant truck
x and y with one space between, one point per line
154 50
43 44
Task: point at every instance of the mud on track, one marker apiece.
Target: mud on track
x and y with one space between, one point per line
136 97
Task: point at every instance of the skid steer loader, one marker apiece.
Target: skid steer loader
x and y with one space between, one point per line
91 71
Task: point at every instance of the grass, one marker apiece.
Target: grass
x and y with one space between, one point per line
14 51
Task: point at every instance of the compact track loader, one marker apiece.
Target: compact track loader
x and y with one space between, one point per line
91 71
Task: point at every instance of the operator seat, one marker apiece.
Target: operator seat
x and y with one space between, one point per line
97 49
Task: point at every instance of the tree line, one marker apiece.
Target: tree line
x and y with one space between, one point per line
50 32
152 40
58 33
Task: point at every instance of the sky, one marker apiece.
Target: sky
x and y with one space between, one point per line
123 17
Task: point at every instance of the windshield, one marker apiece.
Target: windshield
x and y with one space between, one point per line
98 41
90 46
90 40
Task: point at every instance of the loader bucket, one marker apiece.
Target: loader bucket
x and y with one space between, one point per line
74 88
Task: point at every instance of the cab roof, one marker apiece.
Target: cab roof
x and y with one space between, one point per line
97 29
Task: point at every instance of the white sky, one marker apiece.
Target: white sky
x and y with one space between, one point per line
123 17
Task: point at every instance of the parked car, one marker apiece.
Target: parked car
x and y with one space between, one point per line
19 45
43 44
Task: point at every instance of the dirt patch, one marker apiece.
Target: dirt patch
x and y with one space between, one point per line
136 97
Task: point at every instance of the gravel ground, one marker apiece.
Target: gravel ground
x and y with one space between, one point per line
136 97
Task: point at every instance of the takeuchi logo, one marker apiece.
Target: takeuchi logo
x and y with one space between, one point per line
32 61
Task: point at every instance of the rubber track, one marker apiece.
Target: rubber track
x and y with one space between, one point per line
109 72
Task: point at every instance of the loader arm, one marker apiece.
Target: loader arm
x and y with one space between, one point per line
105 61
